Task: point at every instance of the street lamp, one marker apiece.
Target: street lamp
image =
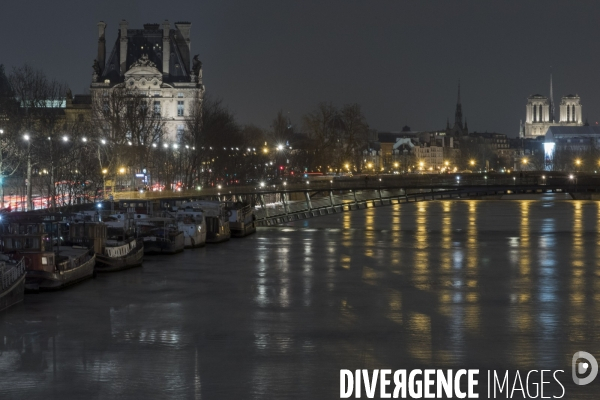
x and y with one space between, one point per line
104 172
28 182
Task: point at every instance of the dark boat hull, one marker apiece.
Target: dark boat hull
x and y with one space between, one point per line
14 294
113 264
162 246
43 280
217 237
241 229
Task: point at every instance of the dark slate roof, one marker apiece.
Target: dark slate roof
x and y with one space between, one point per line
574 130
82 99
388 137
149 41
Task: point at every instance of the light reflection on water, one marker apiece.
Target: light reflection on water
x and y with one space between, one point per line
449 284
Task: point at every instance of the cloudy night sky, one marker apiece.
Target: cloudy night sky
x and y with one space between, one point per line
400 60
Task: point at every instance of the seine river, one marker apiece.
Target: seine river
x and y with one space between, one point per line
502 285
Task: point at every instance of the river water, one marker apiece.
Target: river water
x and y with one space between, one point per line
504 285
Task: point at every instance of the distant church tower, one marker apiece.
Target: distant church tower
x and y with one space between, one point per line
540 113
459 128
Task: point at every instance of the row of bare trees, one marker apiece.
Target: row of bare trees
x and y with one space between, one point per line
33 152
64 159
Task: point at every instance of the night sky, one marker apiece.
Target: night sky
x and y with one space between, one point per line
400 60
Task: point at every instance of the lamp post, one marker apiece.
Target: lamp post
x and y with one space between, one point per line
1 172
27 138
104 172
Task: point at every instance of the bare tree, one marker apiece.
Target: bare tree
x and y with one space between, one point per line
39 116
128 128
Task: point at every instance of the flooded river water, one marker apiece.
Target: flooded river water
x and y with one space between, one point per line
442 284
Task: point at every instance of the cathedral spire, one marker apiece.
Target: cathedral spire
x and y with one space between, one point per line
551 98
458 119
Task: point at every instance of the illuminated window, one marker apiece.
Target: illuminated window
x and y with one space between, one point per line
180 108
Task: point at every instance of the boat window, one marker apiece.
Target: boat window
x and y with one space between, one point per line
32 243
44 260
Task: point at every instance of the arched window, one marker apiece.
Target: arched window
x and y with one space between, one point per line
540 113
573 112
568 113
534 113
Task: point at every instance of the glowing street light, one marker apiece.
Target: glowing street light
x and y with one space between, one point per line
280 147
472 162
121 170
65 138
26 137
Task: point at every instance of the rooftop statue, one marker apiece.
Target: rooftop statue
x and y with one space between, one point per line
197 65
96 67
143 62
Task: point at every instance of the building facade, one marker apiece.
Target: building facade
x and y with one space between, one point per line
155 61
540 114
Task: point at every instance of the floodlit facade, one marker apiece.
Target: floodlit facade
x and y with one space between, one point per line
155 60
540 114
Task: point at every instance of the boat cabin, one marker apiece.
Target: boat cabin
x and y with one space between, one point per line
34 248
88 234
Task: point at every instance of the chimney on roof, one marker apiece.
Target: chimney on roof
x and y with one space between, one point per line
123 48
101 45
166 47
184 28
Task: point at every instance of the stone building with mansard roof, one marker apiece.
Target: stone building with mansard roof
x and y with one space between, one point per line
155 60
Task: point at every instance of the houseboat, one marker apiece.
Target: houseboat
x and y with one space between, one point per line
193 226
241 218
48 266
116 248
215 215
12 287
160 235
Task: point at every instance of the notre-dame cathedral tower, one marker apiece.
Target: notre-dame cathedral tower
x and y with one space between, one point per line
540 114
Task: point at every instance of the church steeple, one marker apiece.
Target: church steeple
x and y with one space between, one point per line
458 119
551 100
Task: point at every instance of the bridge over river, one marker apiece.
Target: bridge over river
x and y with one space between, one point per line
280 202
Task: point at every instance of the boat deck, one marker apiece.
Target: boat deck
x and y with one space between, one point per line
71 252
